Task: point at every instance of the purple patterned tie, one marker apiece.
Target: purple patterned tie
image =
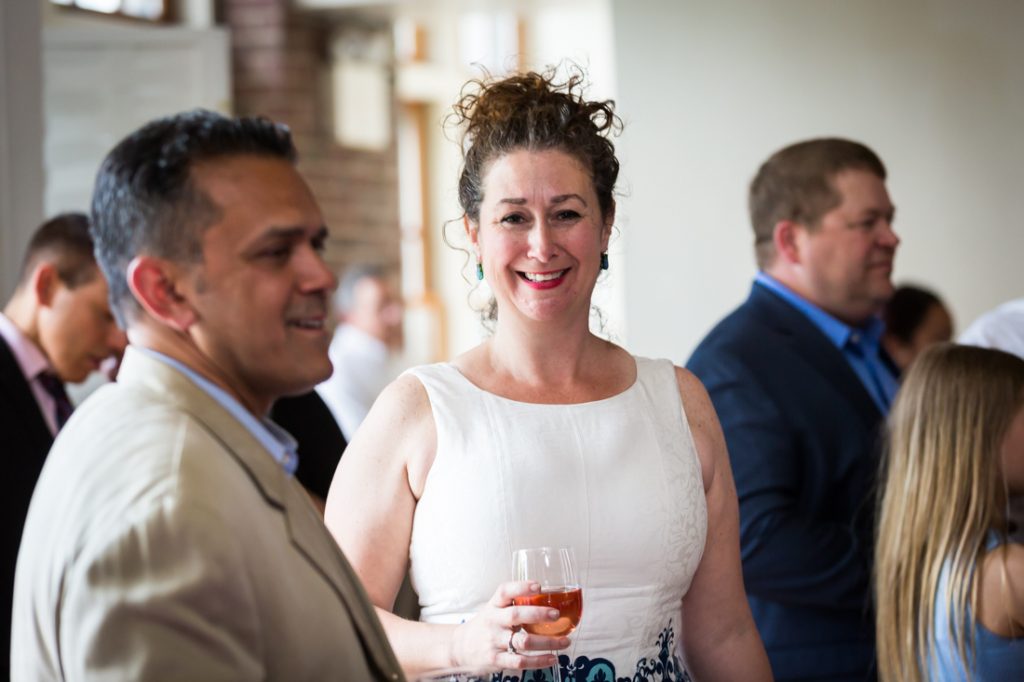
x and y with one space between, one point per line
55 387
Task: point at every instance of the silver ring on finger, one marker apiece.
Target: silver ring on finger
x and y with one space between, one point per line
512 647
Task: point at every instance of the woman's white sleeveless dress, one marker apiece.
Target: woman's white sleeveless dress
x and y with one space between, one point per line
616 479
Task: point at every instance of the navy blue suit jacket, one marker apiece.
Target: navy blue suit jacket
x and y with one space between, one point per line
803 436
27 440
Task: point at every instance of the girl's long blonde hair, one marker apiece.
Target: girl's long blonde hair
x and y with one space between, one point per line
942 492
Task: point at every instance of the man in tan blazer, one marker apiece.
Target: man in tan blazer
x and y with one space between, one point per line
166 538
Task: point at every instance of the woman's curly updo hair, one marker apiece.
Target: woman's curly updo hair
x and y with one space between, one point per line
535 112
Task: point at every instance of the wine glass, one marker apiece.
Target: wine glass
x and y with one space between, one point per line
555 569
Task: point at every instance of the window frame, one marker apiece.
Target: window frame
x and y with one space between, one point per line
164 17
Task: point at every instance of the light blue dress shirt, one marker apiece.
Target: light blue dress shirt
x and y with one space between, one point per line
861 346
278 442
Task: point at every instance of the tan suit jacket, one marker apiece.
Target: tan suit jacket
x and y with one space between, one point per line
164 542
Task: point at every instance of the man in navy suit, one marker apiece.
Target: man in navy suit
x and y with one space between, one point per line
56 328
802 387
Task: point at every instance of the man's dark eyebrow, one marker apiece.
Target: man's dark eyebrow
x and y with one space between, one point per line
286 233
291 232
281 232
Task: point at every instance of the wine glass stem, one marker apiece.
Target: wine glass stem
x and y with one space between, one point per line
556 672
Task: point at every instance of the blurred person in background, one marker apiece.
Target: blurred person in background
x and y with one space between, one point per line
55 329
319 440
1001 328
363 350
915 318
949 573
802 385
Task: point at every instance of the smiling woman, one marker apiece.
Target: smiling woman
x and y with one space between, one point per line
540 235
546 435
580 134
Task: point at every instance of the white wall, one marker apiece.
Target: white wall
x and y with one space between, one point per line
710 89
104 80
71 85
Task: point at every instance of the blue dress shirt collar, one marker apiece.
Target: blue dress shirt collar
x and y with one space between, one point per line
861 346
278 442
837 331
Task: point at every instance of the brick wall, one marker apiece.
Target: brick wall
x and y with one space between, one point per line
280 62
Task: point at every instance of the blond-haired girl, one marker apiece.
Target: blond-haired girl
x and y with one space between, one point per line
949 575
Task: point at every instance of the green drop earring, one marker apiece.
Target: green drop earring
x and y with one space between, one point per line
604 260
479 271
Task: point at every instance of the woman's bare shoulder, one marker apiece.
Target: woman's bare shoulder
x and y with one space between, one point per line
398 434
405 398
696 401
703 421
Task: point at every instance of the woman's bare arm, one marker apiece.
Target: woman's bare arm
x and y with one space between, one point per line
720 639
370 511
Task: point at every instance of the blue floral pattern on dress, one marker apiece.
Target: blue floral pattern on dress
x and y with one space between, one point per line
666 667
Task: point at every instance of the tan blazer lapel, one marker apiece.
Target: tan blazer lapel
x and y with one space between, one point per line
141 370
305 527
311 538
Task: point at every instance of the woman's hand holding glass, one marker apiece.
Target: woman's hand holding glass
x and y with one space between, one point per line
495 638
555 569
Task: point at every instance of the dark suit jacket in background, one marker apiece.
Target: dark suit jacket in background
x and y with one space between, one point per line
26 440
308 419
321 443
803 436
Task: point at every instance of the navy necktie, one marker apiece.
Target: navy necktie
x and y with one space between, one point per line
856 345
55 387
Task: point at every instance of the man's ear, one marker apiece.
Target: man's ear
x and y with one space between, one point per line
45 282
788 240
155 284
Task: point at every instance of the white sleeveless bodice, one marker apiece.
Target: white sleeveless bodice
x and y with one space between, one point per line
616 479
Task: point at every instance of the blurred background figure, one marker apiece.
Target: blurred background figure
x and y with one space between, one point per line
801 386
915 318
365 345
1002 328
945 553
56 328
320 441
